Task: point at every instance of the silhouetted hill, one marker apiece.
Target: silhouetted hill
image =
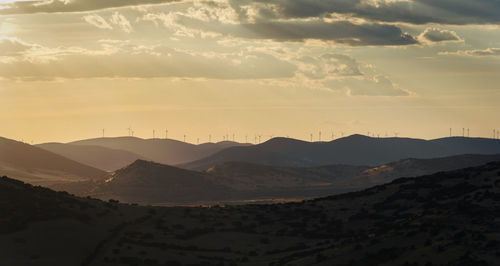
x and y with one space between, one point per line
247 176
166 151
41 227
149 182
36 165
448 218
153 183
99 157
417 167
352 150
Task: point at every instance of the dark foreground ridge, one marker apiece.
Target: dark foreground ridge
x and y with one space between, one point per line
448 218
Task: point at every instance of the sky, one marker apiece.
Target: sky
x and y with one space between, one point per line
292 68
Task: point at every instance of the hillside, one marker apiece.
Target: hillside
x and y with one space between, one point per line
352 150
36 165
165 151
99 157
149 182
449 218
153 183
331 179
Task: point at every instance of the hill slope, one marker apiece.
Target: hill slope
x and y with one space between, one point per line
99 157
149 182
153 183
449 218
165 151
36 165
352 150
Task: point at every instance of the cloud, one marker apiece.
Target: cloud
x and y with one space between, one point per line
53 6
13 47
121 21
123 60
456 12
410 11
337 72
343 32
435 35
97 21
480 53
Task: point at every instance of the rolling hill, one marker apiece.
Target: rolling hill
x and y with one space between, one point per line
103 158
165 151
153 183
38 166
448 218
352 150
149 182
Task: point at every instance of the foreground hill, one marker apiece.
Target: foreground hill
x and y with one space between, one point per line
449 218
352 150
165 151
153 183
36 165
41 227
99 157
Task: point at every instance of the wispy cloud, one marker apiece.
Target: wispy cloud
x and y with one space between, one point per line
479 53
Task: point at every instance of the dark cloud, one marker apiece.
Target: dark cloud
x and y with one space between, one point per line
415 11
52 6
339 31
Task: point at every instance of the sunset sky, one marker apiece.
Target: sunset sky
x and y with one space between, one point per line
69 68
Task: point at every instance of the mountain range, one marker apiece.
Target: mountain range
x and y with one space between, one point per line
38 166
165 151
352 150
152 183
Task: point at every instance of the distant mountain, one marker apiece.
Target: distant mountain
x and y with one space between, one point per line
165 151
448 218
100 157
149 182
153 183
352 150
36 165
